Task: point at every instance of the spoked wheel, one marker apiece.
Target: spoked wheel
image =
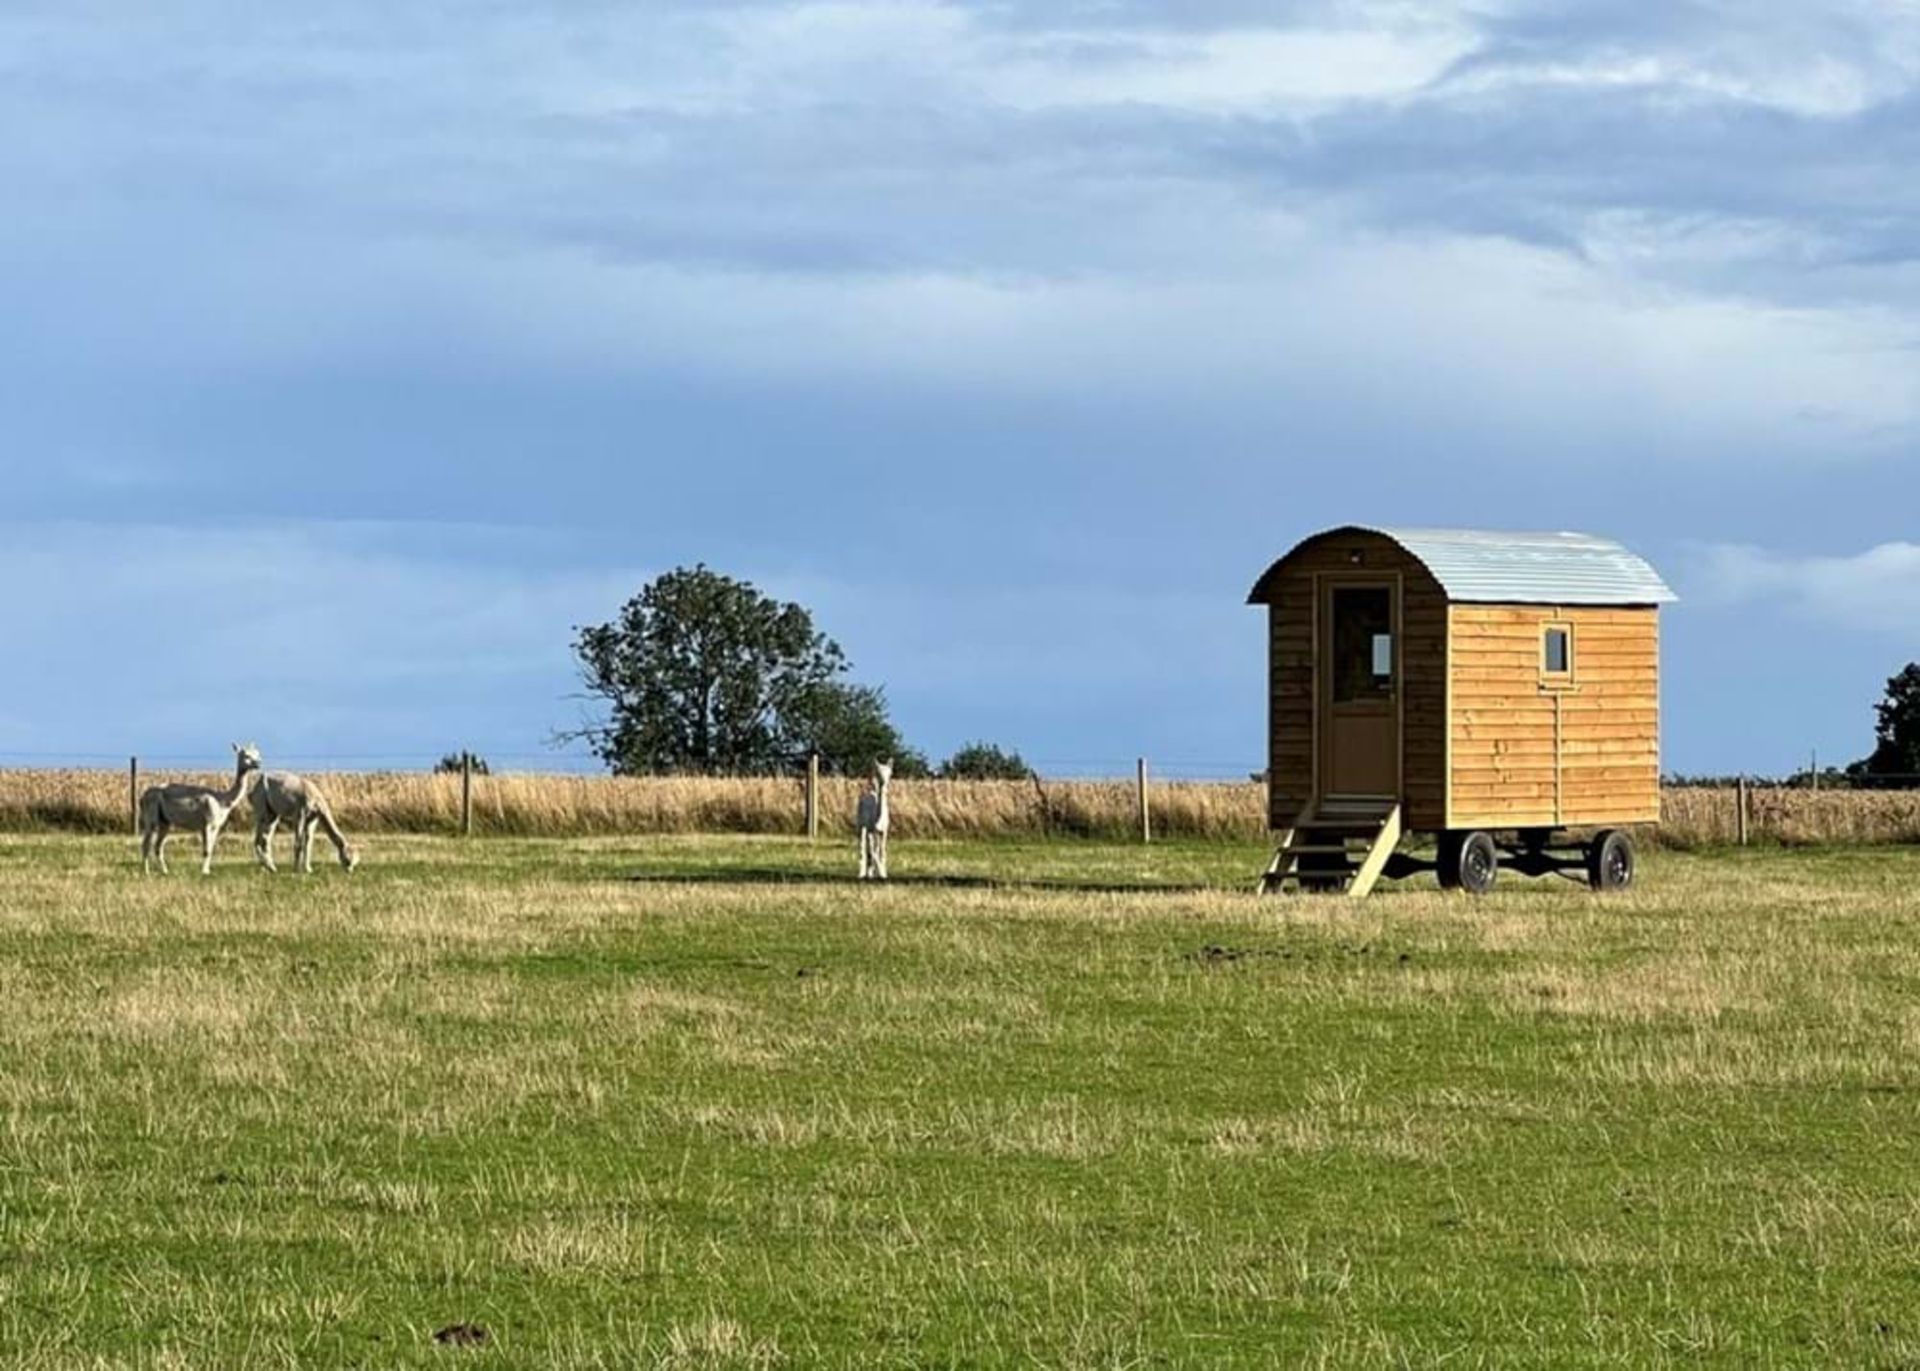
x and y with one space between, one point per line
1469 862
1610 860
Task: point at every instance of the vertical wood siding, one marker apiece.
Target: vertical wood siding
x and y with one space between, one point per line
1292 685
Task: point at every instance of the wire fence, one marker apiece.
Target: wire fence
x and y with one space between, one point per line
1084 767
412 793
574 763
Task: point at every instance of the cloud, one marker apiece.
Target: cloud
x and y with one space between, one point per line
1083 301
1877 590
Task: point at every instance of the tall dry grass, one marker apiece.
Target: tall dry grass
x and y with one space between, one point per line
1696 816
532 805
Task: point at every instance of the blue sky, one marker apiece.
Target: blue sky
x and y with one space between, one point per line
354 353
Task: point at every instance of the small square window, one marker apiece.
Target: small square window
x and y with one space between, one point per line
1383 655
1556 653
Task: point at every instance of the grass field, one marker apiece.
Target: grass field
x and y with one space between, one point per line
700 1102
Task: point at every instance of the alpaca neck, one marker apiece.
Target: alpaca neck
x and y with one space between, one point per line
243 781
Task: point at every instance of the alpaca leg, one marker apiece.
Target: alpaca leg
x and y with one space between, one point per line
263 831
208 836
161 832
880 854
303 843
312 822
866 854
341 846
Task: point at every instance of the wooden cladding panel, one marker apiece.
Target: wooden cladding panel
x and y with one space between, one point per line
1529 751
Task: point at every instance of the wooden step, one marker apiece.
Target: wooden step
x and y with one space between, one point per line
1377 808
1362 833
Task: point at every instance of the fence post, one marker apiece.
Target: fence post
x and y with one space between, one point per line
1740 810
813 796
133 791
1146 816
466 793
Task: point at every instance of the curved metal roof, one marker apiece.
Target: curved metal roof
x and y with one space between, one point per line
1482 567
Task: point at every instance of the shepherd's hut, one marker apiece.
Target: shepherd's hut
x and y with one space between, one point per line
1495 690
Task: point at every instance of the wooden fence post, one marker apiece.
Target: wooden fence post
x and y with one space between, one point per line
133 791
466 794
1740 810
1146 815
813 796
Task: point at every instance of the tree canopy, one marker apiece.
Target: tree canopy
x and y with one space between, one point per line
704 673
847 725
985 762
1895 762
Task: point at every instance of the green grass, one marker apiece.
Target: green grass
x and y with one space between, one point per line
1070 1104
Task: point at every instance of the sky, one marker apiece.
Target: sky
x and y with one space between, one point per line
355 353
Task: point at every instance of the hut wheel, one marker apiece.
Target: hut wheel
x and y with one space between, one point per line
1468 861
1610 860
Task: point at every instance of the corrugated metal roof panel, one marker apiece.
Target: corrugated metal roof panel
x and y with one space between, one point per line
1481 567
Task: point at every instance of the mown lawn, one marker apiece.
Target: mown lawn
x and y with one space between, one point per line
702 1102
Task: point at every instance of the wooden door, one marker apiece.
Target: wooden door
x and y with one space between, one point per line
1359 701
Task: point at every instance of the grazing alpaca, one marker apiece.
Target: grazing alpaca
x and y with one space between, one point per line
283 795
875 818
203 809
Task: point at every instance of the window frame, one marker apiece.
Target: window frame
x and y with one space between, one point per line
1378 689
1549 678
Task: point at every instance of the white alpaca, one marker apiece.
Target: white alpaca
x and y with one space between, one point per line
200 808
283 795
875 818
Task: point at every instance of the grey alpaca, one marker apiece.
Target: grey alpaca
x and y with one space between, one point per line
283 795
199 808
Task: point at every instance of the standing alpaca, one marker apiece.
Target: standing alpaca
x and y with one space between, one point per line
197 807
283 795
875 818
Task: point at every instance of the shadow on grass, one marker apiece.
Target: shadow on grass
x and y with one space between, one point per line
778 876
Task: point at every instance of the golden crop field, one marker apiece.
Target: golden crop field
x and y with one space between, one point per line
559 806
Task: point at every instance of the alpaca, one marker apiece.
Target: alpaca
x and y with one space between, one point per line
283 795
198 807
875 818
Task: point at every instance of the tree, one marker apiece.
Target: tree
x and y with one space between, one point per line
704 673
985 762
1895 763
848 726
451 764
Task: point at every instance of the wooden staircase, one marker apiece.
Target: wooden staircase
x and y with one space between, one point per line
1335 846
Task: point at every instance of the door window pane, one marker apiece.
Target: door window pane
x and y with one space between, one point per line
1362 665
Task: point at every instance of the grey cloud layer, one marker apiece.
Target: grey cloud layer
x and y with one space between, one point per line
1125 290
889 137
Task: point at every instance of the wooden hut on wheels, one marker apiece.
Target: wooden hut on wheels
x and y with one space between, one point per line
1493 689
